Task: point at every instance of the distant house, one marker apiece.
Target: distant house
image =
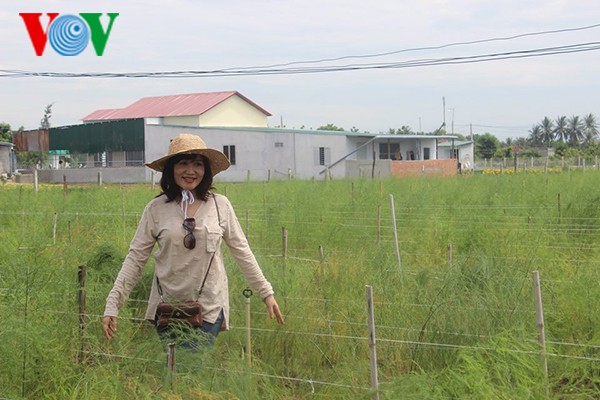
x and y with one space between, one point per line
463 151
7 166
118 142
196 109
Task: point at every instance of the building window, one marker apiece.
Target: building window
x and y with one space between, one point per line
322 156
229 151
426 153
278 144
134 158
389 151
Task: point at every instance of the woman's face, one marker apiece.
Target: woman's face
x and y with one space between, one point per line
189 173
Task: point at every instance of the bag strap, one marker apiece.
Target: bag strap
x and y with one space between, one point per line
160 291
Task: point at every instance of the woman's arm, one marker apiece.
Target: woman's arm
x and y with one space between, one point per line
139 251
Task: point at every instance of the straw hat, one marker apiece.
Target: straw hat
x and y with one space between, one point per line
186 143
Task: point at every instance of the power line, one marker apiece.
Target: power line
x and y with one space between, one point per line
537 52
439 47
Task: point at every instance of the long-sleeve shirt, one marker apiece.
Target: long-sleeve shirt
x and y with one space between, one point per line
180 270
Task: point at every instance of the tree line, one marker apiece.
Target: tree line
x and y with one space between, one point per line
574 131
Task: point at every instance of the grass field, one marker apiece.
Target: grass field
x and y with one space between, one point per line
455 318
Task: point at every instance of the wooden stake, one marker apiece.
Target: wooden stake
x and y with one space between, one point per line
378 224
54 230
449 255
372 343
284 239
558 203
539 322
393 212
122 207
82 308
247 293
35 180
171 365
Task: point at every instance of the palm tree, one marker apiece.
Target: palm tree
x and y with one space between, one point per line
536 135
547 134
560 131
590 129
575 130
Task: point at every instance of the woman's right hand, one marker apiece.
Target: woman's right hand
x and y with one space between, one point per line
109 326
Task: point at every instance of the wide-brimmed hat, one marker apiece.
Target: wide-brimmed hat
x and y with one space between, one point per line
186 143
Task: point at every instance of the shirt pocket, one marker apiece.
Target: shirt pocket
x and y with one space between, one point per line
213 237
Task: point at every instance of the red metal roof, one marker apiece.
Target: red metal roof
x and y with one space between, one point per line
170 106
101 114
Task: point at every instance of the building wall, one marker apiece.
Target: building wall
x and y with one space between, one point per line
465 154
448 167
190 120
366 169
5 159
387 168
90 175
233 112
260 155
33 140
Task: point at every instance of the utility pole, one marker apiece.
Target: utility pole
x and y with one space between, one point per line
452 109
444 108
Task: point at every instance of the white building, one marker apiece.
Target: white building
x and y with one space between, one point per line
118 142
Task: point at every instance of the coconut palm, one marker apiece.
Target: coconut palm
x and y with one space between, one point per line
547 127
575 130
535 135
561 131
590 129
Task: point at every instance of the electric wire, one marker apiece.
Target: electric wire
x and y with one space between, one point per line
537 52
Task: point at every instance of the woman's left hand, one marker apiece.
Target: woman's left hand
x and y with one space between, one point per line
273 308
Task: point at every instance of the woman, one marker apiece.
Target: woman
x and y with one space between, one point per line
188 222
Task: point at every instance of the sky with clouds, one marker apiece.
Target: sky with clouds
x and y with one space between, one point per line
358 64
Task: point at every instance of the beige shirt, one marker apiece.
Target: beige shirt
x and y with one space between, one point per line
181 270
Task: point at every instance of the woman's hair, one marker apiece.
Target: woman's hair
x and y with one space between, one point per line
173 191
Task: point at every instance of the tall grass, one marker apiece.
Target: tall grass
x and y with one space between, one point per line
449 325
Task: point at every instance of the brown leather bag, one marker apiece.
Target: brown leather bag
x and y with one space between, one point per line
188 312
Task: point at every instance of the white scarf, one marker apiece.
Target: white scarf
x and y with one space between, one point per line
187 198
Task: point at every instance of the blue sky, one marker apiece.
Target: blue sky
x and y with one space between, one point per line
504 97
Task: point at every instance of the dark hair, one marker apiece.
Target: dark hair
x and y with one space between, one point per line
173 191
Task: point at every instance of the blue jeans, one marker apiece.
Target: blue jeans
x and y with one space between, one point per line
190 337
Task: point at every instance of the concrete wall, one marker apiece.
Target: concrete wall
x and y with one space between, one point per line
5 159
90 175
364 168
387 168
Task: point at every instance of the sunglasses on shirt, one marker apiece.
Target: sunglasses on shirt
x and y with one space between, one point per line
189 240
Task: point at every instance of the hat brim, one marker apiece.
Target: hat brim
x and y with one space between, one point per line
218 161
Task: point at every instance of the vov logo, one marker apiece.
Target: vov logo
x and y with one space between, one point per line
68 34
